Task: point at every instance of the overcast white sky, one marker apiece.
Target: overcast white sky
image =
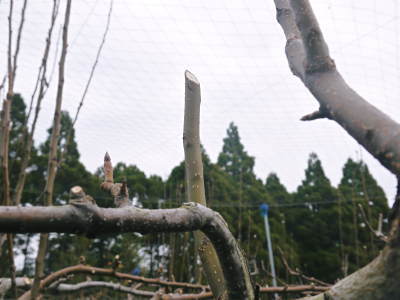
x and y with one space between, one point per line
134 108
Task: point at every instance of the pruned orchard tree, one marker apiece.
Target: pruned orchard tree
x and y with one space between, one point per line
223 260
308 57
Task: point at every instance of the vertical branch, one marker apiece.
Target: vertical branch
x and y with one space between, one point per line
17 46
119 191
52 163
5 130
195 182
42 83
69 135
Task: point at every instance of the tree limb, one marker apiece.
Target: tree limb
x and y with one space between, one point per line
41 83
118 190
309 59
71 288
89 219
194 178
300 274
53 280
99 50
377 233
5 125
52 162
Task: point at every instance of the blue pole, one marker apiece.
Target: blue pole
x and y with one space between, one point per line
264 212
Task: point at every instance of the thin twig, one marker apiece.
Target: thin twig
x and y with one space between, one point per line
6 120
299 273
69 134
18 44
28 139
52 161
377 233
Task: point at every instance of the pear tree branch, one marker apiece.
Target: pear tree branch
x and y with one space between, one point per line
309 59
82 216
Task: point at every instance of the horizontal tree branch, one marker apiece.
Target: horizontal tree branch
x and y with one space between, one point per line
300 274
24 282
62 288
86 218
71 288
53 278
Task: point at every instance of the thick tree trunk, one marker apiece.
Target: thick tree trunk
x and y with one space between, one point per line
308 57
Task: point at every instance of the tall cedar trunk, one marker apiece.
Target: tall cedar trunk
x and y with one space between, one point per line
52 163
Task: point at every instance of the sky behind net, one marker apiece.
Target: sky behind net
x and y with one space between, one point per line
134 108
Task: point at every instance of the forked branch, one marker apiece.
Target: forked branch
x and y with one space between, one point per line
309 59
84 217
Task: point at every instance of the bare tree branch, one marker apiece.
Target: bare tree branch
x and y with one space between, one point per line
5 128
83 217
308 57
195 182
68 139
118 190
377 233
28 139
71 288
52 164
300 274
24 282
3 82
18 43
55 279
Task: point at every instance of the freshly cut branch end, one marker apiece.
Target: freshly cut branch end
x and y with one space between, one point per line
192 83
190 76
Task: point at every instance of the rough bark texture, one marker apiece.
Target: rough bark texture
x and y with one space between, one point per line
83 217
308 57
195 182
119 191
52 164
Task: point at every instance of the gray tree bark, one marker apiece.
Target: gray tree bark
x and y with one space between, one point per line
309 59
195 188
84 217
